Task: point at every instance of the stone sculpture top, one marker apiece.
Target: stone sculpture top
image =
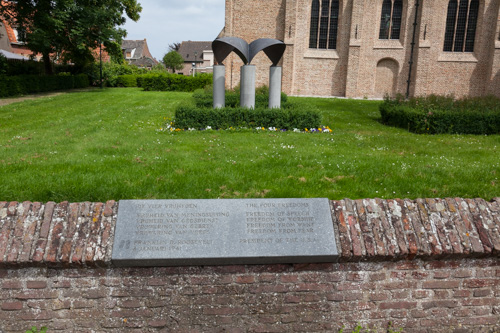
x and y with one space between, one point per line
273 48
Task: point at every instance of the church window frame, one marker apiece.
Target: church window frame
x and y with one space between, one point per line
323 31
462 18
391 19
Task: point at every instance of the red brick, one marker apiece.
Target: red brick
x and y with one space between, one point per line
158 323
373 219
17 237
36 294
265 278
389 232
432 238
471 234
441 284
81 234
439 304
12 306
441 275
223 311
482 293
461 293
481 228
483 301
53 245
95 227
36 315
326 267
397 305
366 231
130 304
344 236
480 283
358 249
419 294
12 284
245 279
379 296
109 208
488 221
5 231
84 304
36 284
72 222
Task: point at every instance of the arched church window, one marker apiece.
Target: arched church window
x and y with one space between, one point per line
461 22
324 24
390 20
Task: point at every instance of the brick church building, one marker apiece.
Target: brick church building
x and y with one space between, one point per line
364 48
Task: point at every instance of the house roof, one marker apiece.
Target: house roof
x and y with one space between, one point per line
188 48
4 37
138 45
141 56
12 56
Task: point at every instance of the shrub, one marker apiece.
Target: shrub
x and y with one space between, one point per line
10 86
443 114
126 81
204 97
4 65
81 81
28 84
294 116
174 82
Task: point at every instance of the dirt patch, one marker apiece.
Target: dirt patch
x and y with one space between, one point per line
7 101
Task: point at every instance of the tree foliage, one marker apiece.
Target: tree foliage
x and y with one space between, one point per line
70 29
173 60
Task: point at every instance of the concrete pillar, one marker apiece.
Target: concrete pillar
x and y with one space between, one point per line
275 87
219 86
247 82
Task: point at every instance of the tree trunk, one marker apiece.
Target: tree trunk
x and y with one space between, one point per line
48 64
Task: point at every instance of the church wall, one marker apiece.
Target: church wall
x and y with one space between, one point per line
459 74
352 70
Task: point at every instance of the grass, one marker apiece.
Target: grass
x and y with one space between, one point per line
100 145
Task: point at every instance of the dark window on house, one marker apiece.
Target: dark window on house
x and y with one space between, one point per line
324 24
461 23
390 19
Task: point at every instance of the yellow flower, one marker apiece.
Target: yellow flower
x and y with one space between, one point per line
319 129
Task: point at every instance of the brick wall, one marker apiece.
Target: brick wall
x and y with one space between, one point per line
350 70
425 265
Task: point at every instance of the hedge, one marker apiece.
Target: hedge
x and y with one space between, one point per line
124 81
204 98
295 116
174 82
28 84
440 115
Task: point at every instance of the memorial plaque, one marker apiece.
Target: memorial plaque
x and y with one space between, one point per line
219 232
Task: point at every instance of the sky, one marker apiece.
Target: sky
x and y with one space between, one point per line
164 22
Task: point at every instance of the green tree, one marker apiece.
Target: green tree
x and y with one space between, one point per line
70 29
3 65
173 60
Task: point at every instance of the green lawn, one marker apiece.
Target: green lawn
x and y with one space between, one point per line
101 145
